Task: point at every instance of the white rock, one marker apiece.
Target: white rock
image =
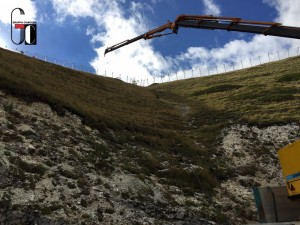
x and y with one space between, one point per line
24 128
31 147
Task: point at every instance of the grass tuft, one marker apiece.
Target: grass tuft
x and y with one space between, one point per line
289 78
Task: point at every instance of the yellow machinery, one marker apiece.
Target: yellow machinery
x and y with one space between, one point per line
278 204
289 158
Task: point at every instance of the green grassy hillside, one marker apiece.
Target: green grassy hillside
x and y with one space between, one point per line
166 132
101 101
263 95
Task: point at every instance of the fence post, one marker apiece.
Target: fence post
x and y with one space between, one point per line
143 82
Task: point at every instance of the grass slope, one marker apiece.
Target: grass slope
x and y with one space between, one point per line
177 122
101 101
262 95
135 114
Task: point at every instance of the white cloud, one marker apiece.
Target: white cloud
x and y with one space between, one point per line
6 8
137 60
114 24
75 8
242 53
288 11
211 8
234 52
2 42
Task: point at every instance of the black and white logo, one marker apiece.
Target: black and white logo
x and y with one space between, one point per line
27 29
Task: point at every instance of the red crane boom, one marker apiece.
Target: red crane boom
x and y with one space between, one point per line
211 23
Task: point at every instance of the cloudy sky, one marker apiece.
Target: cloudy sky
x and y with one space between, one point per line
78 31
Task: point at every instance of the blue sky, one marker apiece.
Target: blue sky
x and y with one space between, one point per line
78 31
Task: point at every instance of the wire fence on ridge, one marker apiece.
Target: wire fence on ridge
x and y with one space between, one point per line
200 71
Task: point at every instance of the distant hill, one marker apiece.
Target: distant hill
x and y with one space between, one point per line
76 147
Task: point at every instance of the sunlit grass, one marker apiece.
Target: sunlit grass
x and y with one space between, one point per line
261 95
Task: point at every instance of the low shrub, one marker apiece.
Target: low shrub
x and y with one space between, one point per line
28 167
217 88
289 78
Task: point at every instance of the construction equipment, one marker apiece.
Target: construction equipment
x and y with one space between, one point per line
211 23
289 159
281 203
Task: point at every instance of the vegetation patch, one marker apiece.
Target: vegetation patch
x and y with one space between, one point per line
217 88
289 78
28 167
276 94
199 180
67 173
47 209
11 137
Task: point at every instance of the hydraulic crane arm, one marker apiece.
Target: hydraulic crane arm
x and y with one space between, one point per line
221 23
150 34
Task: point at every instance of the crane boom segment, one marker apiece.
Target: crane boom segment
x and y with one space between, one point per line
273 30
212 23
